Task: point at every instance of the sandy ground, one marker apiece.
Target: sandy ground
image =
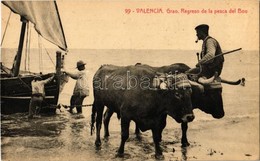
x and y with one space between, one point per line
233 137
67 137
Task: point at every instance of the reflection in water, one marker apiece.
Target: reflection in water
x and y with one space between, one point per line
67 136
78 132
19 125
184 153
44 136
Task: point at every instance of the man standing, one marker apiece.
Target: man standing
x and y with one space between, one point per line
81 89
38 94
210 49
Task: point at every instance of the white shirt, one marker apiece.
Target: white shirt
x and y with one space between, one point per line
38 86
81 88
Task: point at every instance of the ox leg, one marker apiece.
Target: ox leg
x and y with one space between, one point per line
184 140
107 116
124 136
100 109
162 126
156 140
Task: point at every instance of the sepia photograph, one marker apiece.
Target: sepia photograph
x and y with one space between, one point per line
89 80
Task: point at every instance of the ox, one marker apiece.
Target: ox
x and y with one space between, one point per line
210 101
128 92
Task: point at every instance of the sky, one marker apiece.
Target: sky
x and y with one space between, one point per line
108 25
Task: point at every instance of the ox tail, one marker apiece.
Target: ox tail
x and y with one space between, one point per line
93 118
239 82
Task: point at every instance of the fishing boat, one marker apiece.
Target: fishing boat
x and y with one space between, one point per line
16 83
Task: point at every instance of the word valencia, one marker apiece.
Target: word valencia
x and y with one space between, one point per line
149 10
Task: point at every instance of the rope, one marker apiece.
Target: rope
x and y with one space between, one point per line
40 52
49 55
66 106
59 107
25 83
29 46
38 109
26 50
6 27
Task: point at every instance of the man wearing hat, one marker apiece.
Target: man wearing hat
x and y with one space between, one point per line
81 89
210 48
38 94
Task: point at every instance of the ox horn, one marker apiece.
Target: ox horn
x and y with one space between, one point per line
205 81
195 84
239 82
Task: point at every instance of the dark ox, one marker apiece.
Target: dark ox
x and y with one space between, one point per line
209 101
127 91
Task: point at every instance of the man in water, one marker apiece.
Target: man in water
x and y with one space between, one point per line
81 89
38 94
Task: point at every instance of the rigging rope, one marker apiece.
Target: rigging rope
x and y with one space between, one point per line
6 27
49 55
26 49
40 52
26 85
41 46
29 48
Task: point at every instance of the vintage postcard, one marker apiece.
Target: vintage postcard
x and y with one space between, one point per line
129 80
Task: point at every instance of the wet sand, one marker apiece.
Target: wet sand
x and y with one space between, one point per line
224 139
67 137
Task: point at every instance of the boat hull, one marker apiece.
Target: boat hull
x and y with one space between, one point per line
16 94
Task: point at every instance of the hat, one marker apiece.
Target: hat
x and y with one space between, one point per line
80 63
203 27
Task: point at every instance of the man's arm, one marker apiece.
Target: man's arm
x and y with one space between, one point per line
73 75
211 46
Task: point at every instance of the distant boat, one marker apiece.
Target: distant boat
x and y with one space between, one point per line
15 83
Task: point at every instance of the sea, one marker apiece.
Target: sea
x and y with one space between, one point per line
66 136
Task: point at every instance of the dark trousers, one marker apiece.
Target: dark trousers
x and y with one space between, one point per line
35 103
76 101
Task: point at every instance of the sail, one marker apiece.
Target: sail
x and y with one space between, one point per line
45 17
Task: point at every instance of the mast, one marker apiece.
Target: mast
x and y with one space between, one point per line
18 57
58 66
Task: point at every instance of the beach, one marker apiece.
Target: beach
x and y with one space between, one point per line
67 136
